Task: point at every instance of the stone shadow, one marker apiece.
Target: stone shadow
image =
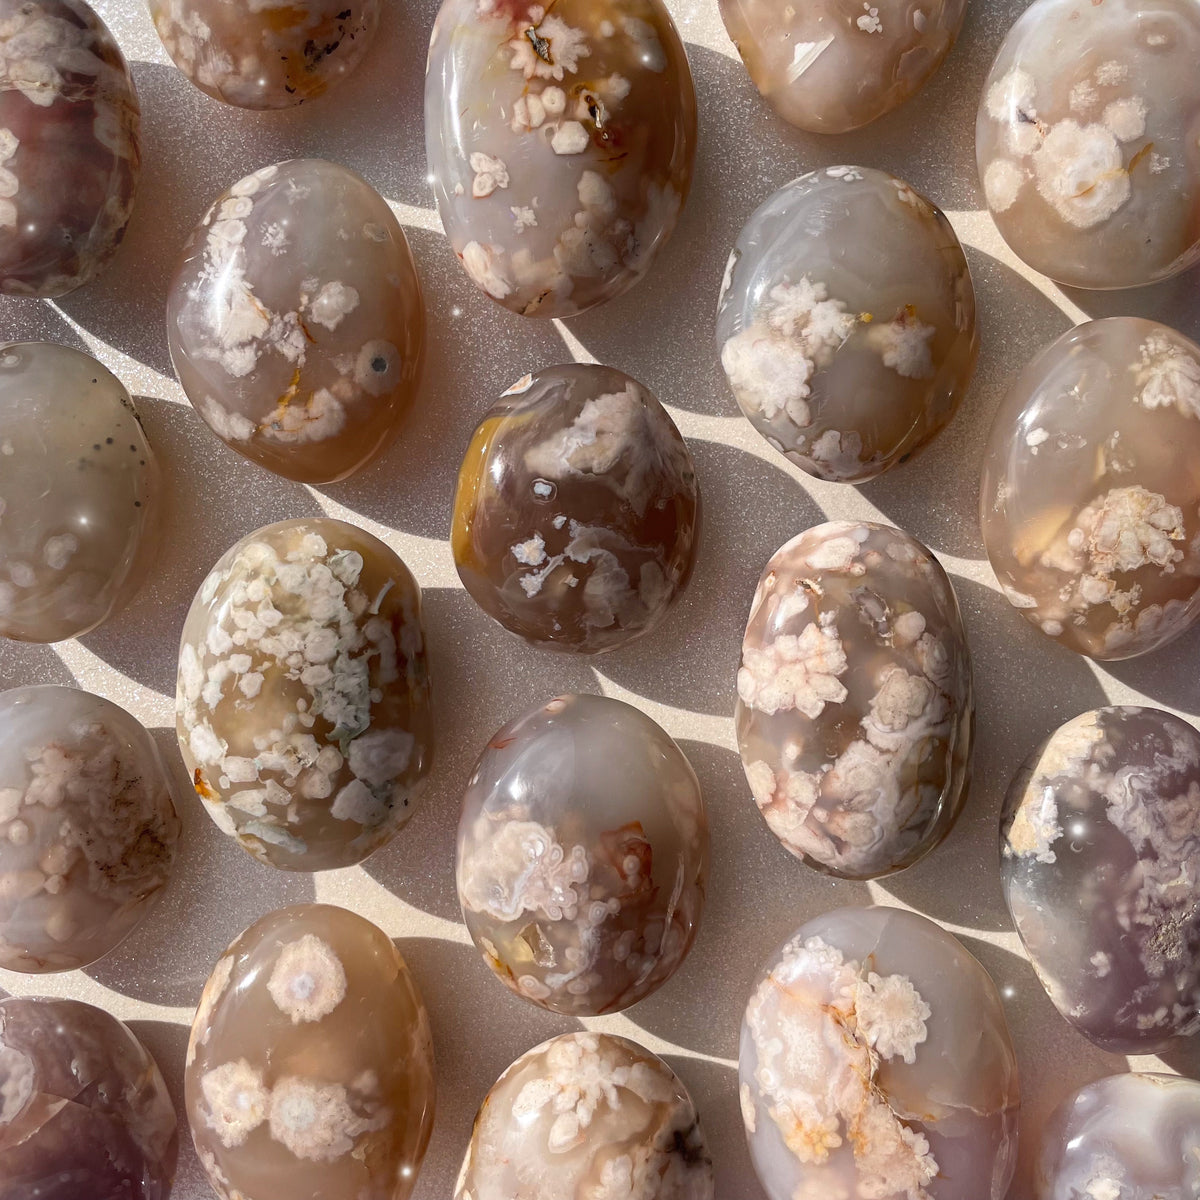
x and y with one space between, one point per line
1170 676
1172 302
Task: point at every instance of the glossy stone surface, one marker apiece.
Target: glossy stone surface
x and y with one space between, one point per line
855 704
302 704
84 1111
1086 140
582 855
295 320
829 67
77 489
88 828
1100 858
70 148
587 1115
1126 1137
876 1062
560 140
1090 496
577 512
846 323
310 1066
268 54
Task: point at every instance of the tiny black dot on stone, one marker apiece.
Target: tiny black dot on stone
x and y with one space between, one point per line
95 381
134 449
137 504
379 364
96 446
108 441
141 462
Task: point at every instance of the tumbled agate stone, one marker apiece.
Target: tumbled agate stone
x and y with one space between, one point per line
295 320
1100 858
829 67
302 704
577 511
1126 1137
587 1115
846 324
70 147
1090 496
1086 140
77 484
876 1062
310 1066
855 705
270 53
560 141
84 1111
87 827
582 855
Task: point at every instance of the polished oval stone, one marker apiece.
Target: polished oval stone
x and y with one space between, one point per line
1100 858
1086 140
1090 497
560 141
70 146
84 1111
269 54
295 320
577 511
77 488
88 828
310 1066
587 1114
830 67
582 855
876 1062
855 704
846 323
302 703
1126 1137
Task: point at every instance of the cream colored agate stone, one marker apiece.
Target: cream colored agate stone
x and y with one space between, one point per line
310 1066
582 855
269 53
78 483
846 322
303 706
830 67
88 828
70 146
1090 496
876 1062
855 705
295 320
560 140
587 1116
1088 140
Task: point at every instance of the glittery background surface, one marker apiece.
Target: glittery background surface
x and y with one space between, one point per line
683 676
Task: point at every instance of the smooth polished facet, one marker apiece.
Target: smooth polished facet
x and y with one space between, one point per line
295 320
1090 494
582 855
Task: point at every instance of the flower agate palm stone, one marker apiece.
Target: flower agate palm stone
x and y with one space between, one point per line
1126 1137
1090 496
302 703
855 703
310 1067
876 1062
587 1115
88 828
560 139
1086 140
295 320
1100 858
84 1111
70 148
77 484
829 67
269 54
846 324
582 855
577 511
